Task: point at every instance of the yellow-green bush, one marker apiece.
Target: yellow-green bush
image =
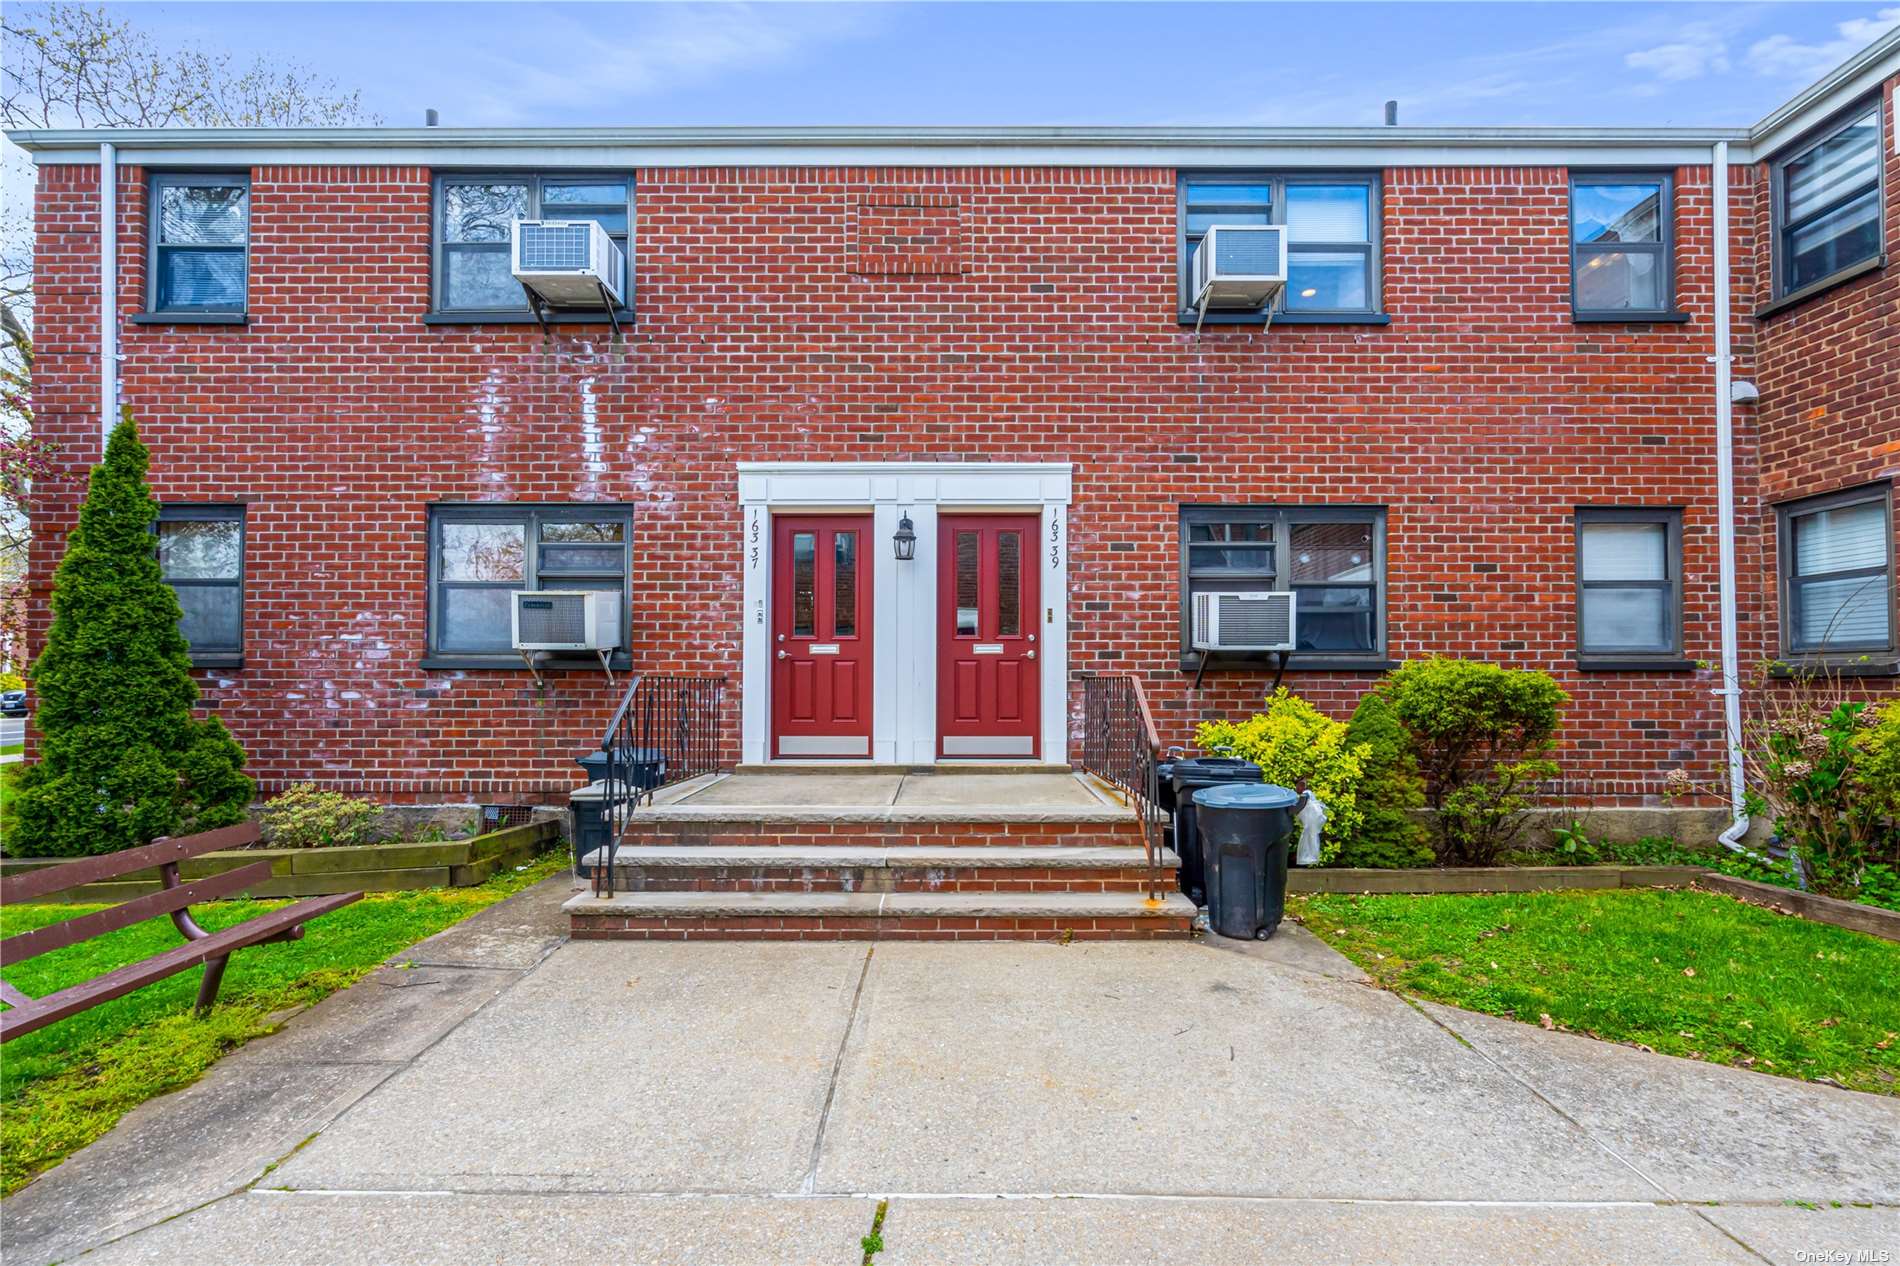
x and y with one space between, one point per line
1295 744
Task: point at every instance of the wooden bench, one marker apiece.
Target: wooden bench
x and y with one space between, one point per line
213 949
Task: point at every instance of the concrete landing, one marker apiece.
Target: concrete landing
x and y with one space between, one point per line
888 797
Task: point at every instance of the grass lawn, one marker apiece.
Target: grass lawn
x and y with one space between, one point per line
1684 973
67 1084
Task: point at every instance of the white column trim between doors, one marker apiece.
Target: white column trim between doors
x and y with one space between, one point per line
904 595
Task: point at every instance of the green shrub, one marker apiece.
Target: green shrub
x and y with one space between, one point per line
123 760
1389 785
1298 746
1482 737
1877 770
11 681
306 816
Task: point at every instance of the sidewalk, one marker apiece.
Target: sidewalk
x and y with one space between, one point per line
517 1098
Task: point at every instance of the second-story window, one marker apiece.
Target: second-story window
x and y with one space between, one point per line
1827 203
1332 225
474 216
200 236
1620 246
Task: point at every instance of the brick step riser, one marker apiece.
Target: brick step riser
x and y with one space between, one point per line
973 879
909 835
858 928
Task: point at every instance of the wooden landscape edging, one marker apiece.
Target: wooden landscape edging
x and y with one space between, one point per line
312 872
1854 915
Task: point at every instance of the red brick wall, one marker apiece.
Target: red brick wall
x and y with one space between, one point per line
1829 374
1481 416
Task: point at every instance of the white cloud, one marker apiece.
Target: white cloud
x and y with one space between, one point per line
588 66
1784 57
1699 50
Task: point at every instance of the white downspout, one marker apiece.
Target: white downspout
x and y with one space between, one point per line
1731 688
108 293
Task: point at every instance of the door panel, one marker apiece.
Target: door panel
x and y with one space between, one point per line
989 700
821 636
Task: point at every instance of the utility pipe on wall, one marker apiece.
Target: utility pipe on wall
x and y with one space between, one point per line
108 292
1731 688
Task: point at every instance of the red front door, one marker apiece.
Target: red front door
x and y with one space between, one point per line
821 636
989 700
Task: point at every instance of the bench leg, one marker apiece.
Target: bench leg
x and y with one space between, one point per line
208 987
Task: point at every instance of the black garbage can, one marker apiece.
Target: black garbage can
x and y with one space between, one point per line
587 822
1245 834
1185 778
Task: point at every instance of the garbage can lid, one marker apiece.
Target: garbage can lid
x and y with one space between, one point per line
1238 795
1225 767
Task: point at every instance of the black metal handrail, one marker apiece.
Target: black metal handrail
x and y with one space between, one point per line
666 730
1121 747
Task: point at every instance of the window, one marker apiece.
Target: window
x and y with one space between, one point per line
1837 573
1827 203
479 555
1629 584
474 215
1621 240
1332 238
1333 557
200 232
201 556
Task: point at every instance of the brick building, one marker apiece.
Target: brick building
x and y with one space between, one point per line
1480 420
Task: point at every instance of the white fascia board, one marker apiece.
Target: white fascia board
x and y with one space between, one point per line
446 148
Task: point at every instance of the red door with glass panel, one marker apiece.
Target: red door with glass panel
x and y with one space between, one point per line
821 637
989 696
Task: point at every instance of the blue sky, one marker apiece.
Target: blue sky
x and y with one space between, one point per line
1292 63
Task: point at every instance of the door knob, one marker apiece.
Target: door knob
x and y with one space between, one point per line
784 654
1030 655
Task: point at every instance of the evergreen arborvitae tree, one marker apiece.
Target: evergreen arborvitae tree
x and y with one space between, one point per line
123 760
1388 787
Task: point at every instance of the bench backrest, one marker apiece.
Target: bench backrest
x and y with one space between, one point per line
168 850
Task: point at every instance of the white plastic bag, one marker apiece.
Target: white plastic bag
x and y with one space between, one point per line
1312 818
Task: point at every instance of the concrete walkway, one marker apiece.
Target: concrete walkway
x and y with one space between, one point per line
514 1097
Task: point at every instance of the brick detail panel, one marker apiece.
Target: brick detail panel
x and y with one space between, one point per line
907 234
857 928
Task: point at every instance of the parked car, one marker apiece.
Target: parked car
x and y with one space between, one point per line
12 703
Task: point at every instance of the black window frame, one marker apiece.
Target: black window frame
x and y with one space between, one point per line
1668 658
1277 181
1284 517
1664 249
211 512
1787 583
531 514
439 310
1781 231
155 185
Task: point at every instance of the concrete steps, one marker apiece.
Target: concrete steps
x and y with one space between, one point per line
903 868
870 916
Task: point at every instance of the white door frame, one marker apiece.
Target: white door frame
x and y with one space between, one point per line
904 595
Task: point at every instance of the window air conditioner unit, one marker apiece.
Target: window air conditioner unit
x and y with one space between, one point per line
565 620
1239 266
568 263
1243 621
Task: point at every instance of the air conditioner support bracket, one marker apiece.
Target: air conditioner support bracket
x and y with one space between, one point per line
1279 672
533 660
607 666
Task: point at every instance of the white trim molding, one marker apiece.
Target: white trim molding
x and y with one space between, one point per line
904 595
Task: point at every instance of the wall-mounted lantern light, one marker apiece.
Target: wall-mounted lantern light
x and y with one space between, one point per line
904 540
